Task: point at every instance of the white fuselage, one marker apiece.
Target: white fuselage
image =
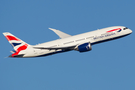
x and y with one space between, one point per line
93 37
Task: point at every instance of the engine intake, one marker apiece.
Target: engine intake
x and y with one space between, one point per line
84 47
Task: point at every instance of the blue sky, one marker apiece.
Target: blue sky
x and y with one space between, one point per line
109 66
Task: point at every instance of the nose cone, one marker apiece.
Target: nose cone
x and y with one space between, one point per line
130 31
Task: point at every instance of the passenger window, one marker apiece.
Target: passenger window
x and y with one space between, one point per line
80 39
89 37
69 42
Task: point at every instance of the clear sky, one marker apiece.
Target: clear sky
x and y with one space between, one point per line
109 66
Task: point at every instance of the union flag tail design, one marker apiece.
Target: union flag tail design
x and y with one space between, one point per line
16 43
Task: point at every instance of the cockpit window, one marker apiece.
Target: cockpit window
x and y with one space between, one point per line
125 28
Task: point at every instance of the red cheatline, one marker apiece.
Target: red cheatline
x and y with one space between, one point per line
113 30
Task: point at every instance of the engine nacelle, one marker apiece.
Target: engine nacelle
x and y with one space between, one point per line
84 47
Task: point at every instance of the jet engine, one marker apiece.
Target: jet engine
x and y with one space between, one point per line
84 47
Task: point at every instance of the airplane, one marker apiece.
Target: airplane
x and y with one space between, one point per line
82 42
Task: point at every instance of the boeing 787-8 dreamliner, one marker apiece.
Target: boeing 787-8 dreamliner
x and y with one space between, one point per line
82 42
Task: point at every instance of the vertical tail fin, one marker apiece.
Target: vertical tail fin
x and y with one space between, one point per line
16 43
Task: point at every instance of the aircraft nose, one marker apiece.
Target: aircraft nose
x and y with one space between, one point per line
130 31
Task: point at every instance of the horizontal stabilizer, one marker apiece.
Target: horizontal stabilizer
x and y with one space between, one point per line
60 33
12 51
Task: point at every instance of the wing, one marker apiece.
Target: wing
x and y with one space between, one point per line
55 48
60 33
73 47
